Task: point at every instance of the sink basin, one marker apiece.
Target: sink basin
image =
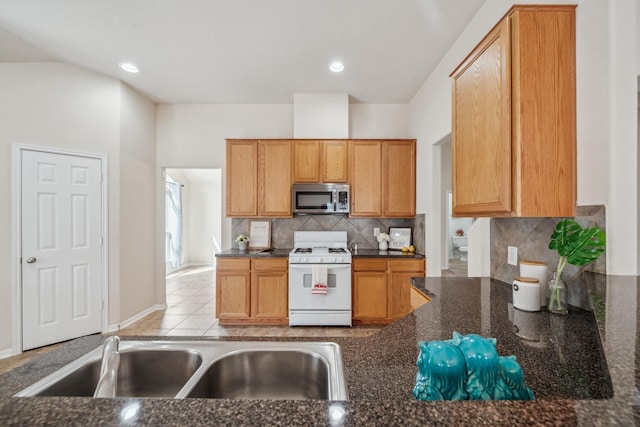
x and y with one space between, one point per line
266 374
208 369
143 373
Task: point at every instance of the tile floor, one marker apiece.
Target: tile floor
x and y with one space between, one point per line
191 312
457 268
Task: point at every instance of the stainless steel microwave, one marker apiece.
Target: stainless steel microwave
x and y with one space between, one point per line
320 198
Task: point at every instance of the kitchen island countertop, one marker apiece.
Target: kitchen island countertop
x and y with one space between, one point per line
579 376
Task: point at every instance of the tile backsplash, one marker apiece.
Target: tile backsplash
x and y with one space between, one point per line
359 230
532 236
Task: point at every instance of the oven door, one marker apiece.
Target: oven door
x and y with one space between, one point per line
338 296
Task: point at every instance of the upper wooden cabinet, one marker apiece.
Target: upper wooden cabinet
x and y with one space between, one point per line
382 175
242 178
399 178
513 141
275 178
259 177
319 161
365 178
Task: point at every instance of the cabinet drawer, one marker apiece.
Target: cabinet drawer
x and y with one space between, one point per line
233 264
276 264
370 264
407 265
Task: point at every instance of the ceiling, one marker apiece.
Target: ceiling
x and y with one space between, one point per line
242 51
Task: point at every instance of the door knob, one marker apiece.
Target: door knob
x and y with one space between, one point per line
31 260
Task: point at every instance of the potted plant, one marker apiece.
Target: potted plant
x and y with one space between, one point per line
576 246
242 240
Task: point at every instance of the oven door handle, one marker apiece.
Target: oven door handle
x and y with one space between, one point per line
308 266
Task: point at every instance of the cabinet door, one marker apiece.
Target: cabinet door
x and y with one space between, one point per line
242 181
365 178
269 295
306 161
399 179
233 294
400 294
481 128
544 110
400 289
369 295
275 172
334 161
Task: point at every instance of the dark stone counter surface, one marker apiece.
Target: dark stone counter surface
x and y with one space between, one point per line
565 361
375 253
254 253
284 253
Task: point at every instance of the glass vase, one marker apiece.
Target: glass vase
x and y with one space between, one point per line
557 296
383 246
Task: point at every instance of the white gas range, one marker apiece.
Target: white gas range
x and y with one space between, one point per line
320 279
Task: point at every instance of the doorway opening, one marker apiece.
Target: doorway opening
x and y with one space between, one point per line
193 232
454 239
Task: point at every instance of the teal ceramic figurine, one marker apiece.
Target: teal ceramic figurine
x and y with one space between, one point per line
481 356
441 372
468 367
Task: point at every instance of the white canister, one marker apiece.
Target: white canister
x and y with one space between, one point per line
526 293
540 271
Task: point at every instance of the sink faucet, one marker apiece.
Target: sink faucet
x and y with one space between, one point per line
108 382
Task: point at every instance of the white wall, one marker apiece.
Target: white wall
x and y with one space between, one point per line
65 107
205 214
602 133
137 203
61 106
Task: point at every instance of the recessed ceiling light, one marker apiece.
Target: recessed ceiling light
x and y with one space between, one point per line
129 67
336 66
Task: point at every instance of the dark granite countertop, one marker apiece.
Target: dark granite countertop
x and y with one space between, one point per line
254 253
284 253
564 360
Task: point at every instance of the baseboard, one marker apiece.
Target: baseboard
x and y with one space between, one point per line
134 319
4 354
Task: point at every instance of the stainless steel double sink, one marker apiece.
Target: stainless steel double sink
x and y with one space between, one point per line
208 369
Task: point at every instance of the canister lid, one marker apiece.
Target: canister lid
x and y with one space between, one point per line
526 279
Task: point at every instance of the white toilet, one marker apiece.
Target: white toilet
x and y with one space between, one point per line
460 245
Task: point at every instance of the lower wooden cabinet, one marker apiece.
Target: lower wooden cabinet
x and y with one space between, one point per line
382 289
252 291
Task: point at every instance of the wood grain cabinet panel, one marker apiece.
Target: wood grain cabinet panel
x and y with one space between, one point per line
306 161
365 178
399 179
382 290
275 172
252 291
242 178
513 141
259 177
334 161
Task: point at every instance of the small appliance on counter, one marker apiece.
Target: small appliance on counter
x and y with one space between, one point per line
526 293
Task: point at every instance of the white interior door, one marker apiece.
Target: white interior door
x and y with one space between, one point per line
61 240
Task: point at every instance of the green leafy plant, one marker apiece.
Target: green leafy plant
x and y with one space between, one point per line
576 246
